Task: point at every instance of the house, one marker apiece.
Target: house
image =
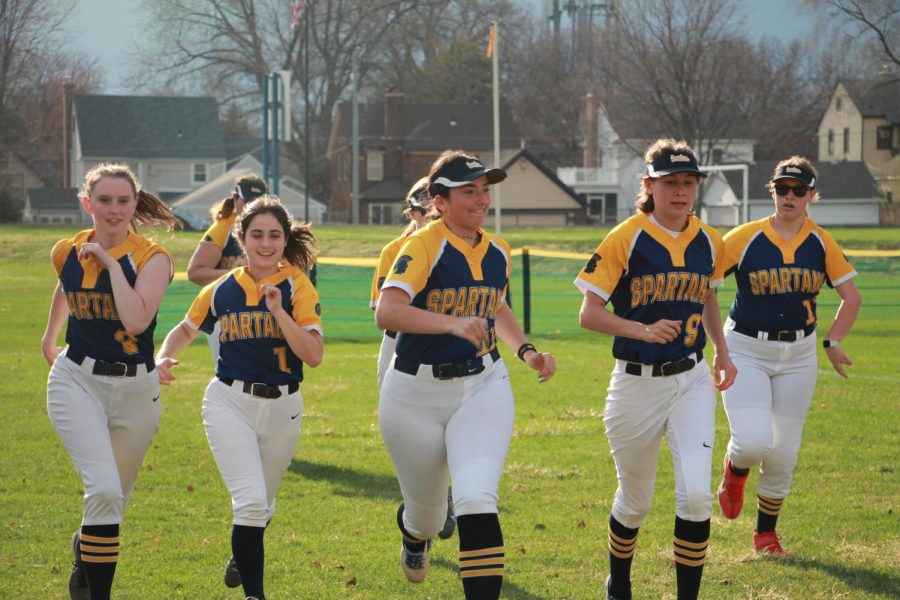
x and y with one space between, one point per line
615 139
533 196
194 206
173 144
848 194
24 167
57 206
862 123
397 144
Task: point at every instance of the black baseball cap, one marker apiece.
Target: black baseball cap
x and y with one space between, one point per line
796 172
674 162
463 170
250 190
414 197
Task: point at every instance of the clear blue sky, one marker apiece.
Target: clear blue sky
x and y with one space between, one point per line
108 30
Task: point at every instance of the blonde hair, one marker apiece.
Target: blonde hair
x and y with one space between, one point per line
150 210
796 161
644 200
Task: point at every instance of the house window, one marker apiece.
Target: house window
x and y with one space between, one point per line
846 140
602 207
883 138
375 165
837 103
831 142
382 213
199 173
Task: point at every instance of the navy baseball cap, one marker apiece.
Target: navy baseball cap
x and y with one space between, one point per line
796 172
463 170
674 162
250 190
414 198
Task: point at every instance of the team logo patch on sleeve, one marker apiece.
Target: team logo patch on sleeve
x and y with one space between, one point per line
591 265
402 264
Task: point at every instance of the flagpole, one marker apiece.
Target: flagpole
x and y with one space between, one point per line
496 84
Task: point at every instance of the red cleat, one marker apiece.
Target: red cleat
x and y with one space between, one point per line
731 491
769 542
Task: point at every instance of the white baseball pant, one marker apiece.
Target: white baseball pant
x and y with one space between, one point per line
639 411
767 406
440 429
253 441
106 425
385 356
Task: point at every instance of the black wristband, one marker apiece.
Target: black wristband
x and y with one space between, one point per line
523 349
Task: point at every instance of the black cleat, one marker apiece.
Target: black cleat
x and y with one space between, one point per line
449 527
232 575
78 585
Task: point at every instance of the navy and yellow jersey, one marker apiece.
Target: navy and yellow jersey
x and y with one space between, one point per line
220 234
388 254
251 344
443 274
778 280
650 275
94 328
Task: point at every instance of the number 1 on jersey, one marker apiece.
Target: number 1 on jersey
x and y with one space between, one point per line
281 353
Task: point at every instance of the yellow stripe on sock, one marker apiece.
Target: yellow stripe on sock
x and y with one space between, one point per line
499 561
99 559
100 549
694 545
481 573
99 540
689 563
481 552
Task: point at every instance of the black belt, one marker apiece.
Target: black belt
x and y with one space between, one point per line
447 370
785 335
390 334
108 368
262 390
665 369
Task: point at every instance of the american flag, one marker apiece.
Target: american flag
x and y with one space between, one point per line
298 11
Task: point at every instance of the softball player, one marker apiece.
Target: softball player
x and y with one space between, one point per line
219 251
780 264
416 211
659 269
268 314
102 394
446 405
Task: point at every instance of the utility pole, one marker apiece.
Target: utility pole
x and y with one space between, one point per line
354 194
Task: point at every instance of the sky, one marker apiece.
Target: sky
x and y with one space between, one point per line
108 30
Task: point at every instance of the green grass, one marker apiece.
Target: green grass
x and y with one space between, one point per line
334 534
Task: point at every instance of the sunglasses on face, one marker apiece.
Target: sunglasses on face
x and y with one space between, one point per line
799 190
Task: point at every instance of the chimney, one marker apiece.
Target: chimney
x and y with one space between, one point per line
393 133
68 92
590 138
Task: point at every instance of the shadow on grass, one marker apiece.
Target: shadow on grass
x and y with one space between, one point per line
510 590
349 482
858 578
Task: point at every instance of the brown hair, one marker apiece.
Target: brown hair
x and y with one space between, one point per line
225 208
301 244
644 201
796 161
436 189
150 210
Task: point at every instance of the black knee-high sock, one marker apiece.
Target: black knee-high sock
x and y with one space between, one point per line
249 554
100 553
691 541
481 555
768 511
621 551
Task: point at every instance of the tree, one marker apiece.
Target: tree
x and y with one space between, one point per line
878 18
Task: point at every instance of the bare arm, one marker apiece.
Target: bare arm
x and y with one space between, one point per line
305 344
176 341
59 310
724 370
202 267
509 330
595 317
844 319
394 312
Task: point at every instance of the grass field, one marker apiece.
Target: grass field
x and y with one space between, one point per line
334 535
